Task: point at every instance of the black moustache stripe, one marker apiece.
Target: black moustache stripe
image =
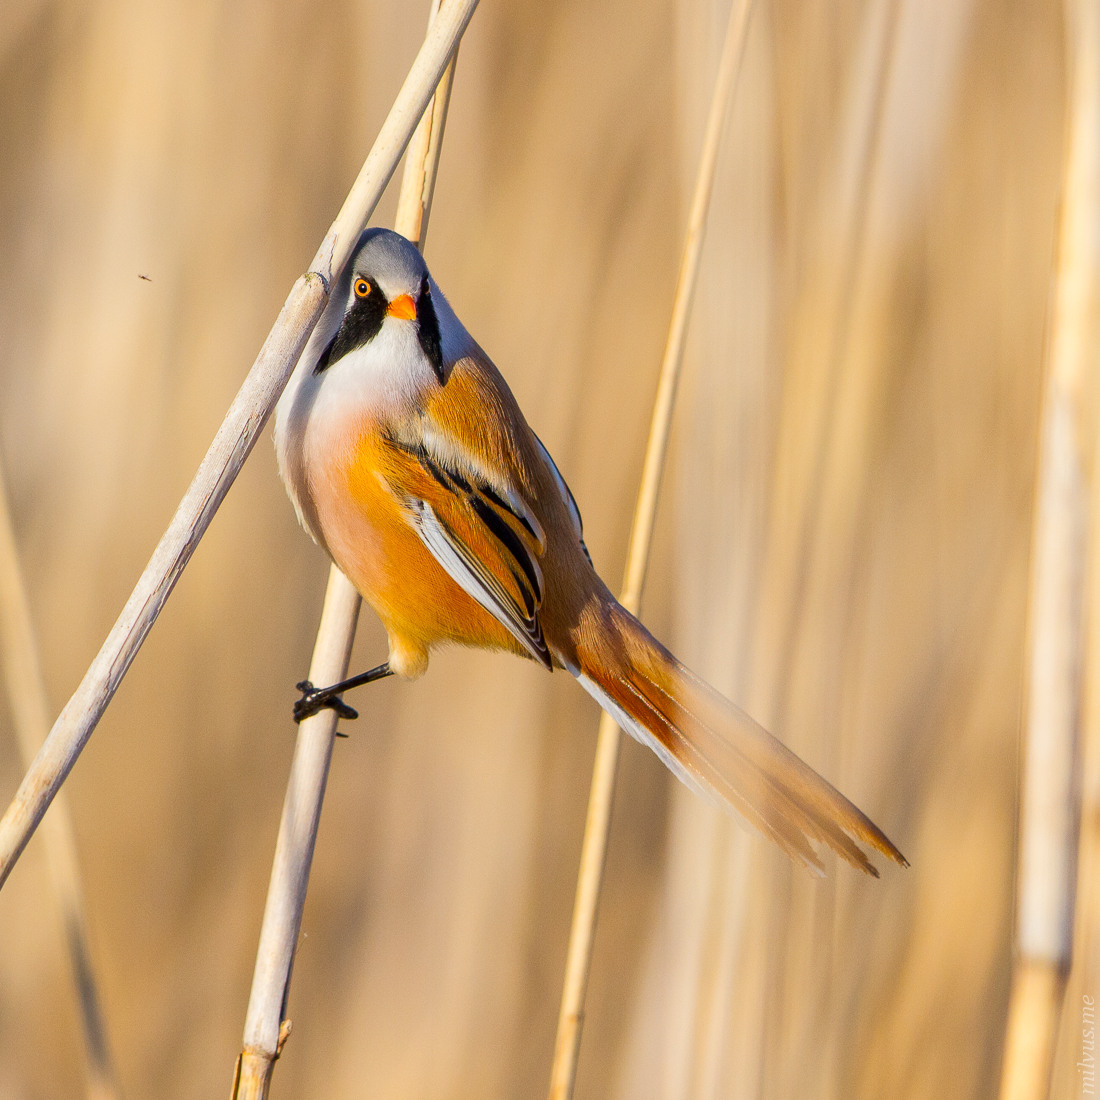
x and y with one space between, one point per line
361 324
428 324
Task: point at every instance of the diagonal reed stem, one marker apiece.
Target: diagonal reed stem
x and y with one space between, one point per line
266 1026
598 821
26 688
232 444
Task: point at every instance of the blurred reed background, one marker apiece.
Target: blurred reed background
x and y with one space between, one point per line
843 540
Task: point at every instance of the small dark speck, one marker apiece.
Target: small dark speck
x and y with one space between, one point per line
146 278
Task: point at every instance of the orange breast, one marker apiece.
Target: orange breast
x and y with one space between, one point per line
374 543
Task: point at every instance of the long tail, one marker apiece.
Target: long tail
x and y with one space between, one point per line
716 748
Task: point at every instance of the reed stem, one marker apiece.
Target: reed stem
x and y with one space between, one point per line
266 1025
598 821
30 711
1049 781
233 443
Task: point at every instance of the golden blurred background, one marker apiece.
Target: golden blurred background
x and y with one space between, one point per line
843 539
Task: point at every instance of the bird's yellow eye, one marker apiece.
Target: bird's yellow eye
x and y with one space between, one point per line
362 288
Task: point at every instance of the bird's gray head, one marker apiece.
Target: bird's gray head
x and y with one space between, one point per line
392 261
386 277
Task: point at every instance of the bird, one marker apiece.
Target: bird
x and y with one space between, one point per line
409 462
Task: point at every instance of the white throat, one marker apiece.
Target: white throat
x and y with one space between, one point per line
383 380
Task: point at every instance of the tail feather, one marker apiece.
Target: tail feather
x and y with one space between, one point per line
718 750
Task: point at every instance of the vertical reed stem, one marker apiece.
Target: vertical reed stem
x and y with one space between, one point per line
1049 796
598 822
266 1025
30 710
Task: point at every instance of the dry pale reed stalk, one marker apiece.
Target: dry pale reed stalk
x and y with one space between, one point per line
815 450
30 711
265 1030
598 821
809 564
1049 796
266 1026
234 441
1085 973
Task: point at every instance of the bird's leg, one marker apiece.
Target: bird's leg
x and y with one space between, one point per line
315 699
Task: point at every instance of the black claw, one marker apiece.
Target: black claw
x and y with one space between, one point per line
314 700
342 709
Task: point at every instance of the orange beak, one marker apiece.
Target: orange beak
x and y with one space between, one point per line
403 307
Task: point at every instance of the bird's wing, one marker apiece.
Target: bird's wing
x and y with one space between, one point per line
566 495
460 479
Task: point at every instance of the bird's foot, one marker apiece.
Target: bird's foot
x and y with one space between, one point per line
317 699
